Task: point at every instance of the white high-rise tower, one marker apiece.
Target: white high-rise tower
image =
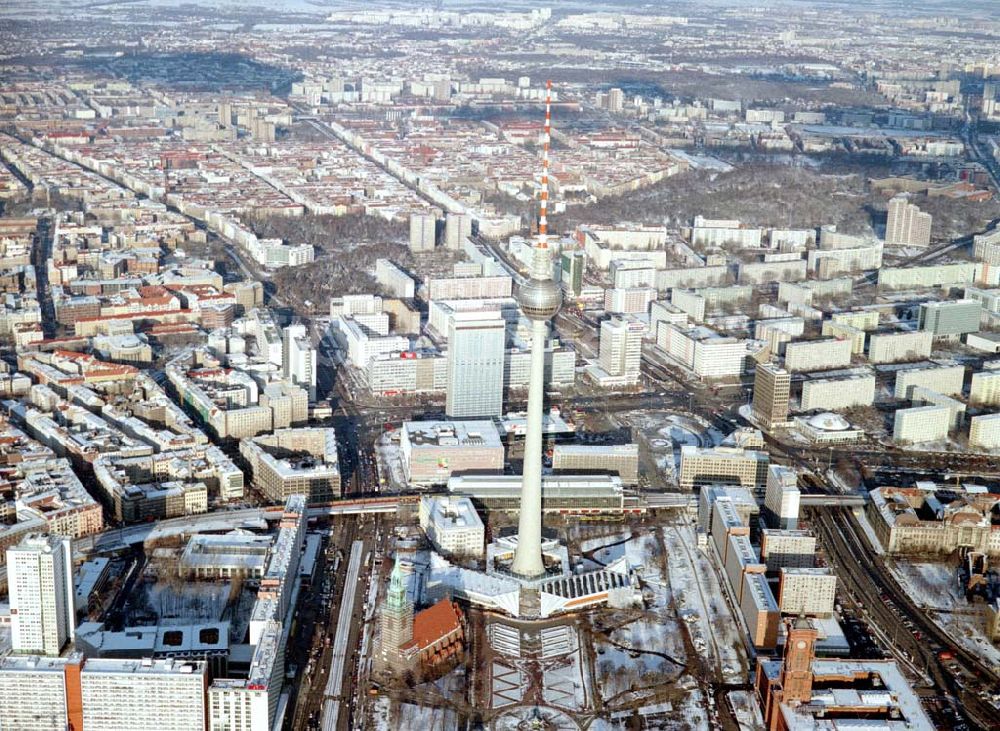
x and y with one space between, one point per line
40 574
539 299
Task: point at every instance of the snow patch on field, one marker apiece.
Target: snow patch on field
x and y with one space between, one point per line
934 586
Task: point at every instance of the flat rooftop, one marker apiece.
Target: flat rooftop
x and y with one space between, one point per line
480 433
453 512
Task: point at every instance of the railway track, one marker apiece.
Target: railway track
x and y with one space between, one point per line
867 580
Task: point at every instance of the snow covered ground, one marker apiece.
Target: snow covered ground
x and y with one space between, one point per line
664 433
701 604
934 586
390 462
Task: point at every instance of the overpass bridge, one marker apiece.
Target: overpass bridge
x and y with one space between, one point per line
832 501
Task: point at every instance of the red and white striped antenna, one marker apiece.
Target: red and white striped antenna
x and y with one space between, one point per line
543 222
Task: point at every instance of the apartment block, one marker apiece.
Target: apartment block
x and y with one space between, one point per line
945 379
817 355
984 431
921 424
985 389
907 225
811 591
837 394
895 347
782 548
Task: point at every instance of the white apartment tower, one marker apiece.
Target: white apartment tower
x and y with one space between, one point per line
476 343
298 358
40 576
423 232
907 225
621 347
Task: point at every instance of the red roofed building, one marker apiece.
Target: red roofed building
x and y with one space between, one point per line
422 641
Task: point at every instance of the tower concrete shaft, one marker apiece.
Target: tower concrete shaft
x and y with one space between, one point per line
539 299
528 556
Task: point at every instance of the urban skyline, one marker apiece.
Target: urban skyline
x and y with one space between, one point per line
553 366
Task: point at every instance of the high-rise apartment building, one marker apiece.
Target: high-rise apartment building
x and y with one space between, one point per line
621 347
573 263
70 692
40 576
781 497
298 358
423 232
907 225
615 100
457 228
476 343
771 387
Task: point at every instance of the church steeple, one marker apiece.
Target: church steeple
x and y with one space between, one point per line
396 625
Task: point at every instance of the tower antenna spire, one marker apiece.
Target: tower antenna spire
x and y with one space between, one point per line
543 221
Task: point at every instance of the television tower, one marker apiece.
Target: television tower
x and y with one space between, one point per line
539 298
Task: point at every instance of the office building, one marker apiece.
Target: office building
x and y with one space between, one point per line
40 581
701 466
629 273
560 367
431 451
452 525
950 319
811 591
907 225
921 424
781 498
984 431
294 462
423 232
407 372
621 348
787 549
476 343
771 387
298 358
615 459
